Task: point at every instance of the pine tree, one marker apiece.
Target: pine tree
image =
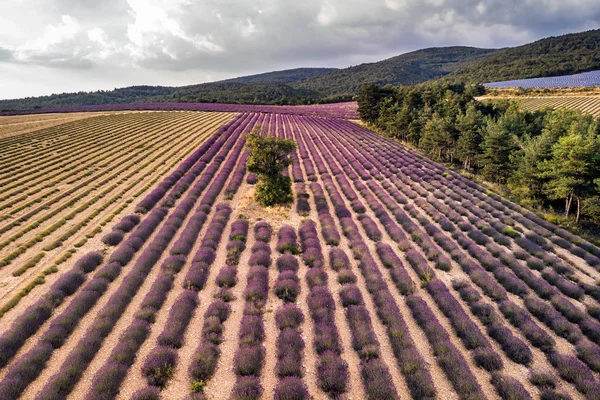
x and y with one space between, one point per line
368 102
468 145
437 138
526 182
498 143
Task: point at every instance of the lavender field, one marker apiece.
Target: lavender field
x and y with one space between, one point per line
583 79
388 277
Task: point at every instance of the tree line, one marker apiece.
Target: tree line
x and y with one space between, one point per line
545 159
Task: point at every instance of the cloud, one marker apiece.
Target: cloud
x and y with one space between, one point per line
202 39
5 54
157 34
64 45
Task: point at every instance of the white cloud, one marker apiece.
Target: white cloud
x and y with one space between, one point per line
98 35
327 14
156 31
248 28
102 47
395 5
52 39
65 44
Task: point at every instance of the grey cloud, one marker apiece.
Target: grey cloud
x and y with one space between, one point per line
5 55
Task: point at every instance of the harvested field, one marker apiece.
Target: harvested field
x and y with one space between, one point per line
18 124
389 276
585 104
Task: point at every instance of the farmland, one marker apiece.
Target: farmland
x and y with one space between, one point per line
585 104
389 276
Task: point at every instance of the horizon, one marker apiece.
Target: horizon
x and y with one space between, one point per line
73 46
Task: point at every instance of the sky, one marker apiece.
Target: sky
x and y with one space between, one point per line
56 46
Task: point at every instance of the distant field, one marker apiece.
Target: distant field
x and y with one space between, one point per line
18 124
388 277
591 78
346 110
586 104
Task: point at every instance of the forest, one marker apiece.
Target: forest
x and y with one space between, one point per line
548 160
552 56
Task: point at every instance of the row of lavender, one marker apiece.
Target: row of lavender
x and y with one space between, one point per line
554 358
289 319
250 355
208 352
348 110
332 369
26 369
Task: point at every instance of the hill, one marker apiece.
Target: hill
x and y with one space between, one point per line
553 56
285 76
267 88
240 92
132 94
406 69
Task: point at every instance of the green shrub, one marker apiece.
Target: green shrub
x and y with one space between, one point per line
197 386
510 232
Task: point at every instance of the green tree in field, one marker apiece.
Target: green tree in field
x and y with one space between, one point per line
497 145
514 121
574 170
268 157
